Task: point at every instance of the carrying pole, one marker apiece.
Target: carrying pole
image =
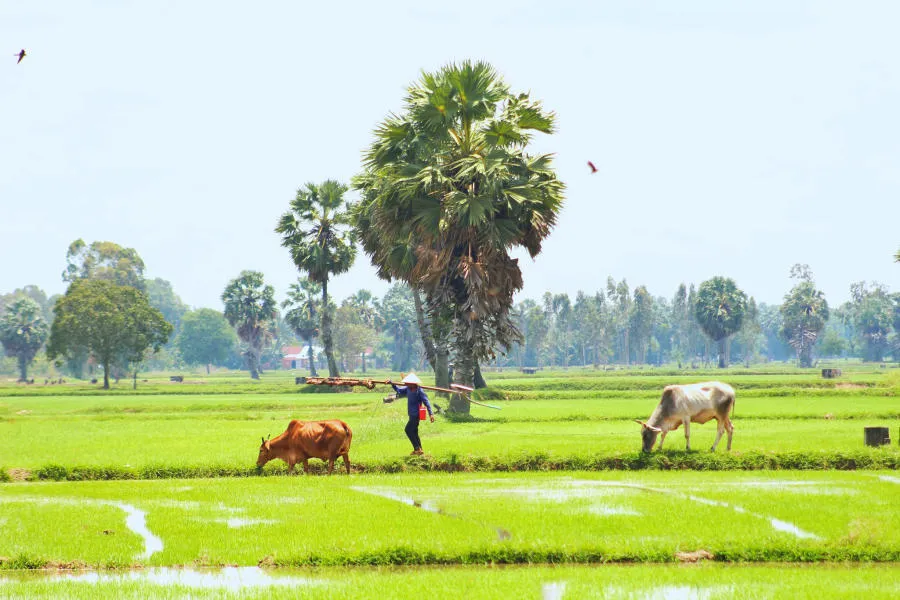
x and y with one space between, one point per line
462 390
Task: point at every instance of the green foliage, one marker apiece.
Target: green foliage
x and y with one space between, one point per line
22 332
448 189
398 313
206 337
251 309
870 315
105 261
720 311
164 299
113 323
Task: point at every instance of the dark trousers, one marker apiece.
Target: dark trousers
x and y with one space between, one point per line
412 432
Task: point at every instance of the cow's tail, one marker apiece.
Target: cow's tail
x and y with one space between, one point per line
345 447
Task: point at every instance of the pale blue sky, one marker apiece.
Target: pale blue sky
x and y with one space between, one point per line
733 138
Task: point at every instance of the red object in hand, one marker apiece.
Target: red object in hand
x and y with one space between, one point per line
423 414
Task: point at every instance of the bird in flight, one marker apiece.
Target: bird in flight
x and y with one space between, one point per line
20 54
590 164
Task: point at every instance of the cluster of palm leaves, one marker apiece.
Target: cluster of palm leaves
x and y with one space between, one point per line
805 313
448 189
720 310
23 331
250 307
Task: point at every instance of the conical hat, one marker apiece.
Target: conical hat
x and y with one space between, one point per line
412 378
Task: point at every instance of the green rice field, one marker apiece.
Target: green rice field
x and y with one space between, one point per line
552 486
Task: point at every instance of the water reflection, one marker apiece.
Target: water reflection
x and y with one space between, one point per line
229 578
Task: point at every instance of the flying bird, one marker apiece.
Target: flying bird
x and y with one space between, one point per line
20 54
590 164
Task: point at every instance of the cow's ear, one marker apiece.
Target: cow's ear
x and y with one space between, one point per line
641 423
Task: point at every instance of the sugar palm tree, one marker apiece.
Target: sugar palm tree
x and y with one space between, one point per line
303 308
805 313
720 311
23 331
315 232
449 188
251 309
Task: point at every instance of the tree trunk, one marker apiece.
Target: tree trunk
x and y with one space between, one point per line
326 333
722 363
106 375
627 349
463 373
207 368
804 356
251 363
134 386
442 370
363 361
23 368
312 358
479 379
426 333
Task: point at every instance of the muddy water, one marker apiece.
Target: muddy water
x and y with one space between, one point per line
408 500
229 578
553 591
586 488
136 521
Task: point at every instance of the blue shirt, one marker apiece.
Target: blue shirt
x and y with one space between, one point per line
413 400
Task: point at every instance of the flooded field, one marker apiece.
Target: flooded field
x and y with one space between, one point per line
466 518
659 582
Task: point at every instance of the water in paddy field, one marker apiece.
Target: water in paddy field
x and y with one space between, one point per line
228 578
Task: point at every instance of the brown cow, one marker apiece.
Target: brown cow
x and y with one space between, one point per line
303 440
698 403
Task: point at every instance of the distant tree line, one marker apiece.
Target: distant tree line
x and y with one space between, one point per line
447 189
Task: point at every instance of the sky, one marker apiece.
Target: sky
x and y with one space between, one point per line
731 139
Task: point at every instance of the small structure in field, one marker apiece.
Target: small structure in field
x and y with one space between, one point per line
831 373
877 436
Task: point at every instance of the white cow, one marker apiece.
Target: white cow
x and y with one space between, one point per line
698 402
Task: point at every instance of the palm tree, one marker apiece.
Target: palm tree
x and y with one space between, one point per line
314 231
251 309
805 313
720 311
303 315
22 332
450 180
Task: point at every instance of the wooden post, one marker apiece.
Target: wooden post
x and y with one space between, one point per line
877 436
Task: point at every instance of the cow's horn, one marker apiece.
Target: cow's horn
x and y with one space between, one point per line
263 439
269 438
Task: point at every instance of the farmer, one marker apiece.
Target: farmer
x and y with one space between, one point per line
415 396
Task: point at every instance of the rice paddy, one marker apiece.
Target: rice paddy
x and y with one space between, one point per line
585 494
